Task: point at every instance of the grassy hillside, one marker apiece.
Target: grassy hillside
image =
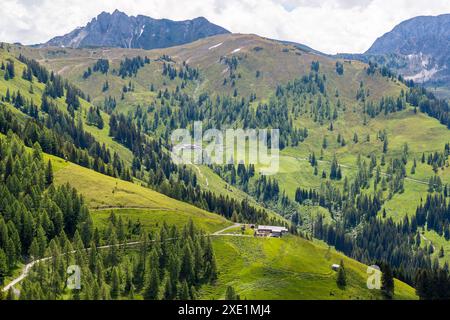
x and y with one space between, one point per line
420 132
92 86
211 181
104 194
275 62
33 92
288 268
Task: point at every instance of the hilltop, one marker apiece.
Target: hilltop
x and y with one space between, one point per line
248 64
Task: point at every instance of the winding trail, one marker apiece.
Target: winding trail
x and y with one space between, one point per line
428 241
201 174
180 160
227 228
105 208
222 232
26 269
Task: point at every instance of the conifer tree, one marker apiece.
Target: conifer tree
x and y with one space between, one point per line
152 289
210 262
49 173
184 291
385 145
3 266
230 294
341 279
187 263
387 282
115 283
11 295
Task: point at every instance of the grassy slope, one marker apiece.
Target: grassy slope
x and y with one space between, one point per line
211 181
72 60
19 84
104 193
278 64
423 134
72 63
288 268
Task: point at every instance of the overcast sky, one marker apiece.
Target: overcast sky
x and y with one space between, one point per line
328 25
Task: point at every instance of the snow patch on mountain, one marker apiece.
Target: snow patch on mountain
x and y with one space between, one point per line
142 31
424 75
215 46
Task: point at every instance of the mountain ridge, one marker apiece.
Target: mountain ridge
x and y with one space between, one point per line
416 25
418 48
142 32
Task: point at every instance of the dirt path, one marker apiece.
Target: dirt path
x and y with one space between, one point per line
428 241
226 229
61 71
26 269
222 232
201 174
105 208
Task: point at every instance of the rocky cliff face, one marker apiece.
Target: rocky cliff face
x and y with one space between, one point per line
120 30
422 44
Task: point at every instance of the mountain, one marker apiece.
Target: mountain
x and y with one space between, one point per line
123 31
362 163
418 48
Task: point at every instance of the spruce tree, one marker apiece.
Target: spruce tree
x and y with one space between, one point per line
210 262
11 295
115 283
187 263
341 279
131 292
152 289
184 291
387 282
230 294
385 145
3 266
324 143
113 256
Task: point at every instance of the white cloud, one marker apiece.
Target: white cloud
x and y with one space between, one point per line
327 25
